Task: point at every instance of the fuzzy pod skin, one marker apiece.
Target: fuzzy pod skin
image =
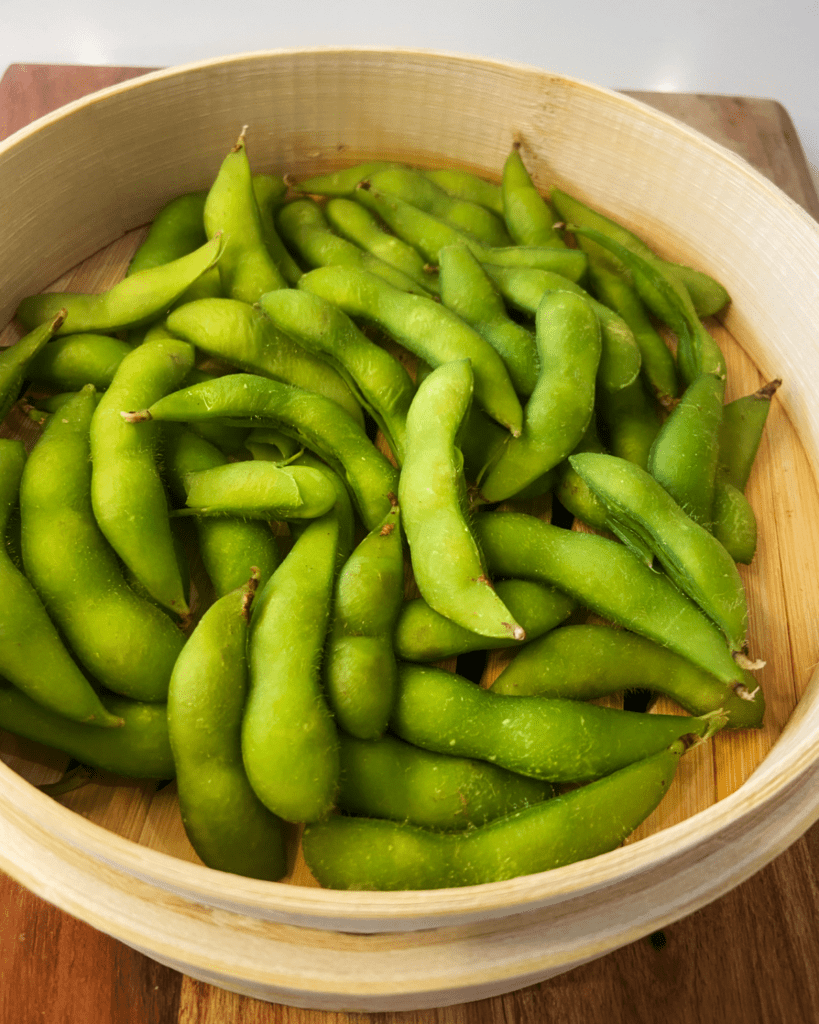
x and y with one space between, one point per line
243 336
229 547
360 670
124 640
32 653
388 778
133 302
552 739
446 560
740 433
289 738
584 662
734 521
422 634
246 268
648 519
127 492
260 490
314 421
69 363
529 217
428 329
269 191
372 854
15 360
228 826
138 749
631 422
560 408
609 579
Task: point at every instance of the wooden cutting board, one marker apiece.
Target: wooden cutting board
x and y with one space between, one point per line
748 957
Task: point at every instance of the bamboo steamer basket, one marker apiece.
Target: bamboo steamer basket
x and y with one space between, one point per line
78 187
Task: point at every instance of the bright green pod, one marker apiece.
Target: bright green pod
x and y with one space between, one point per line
426 328
138 749
572 491
32 654
647 519
630 420
176 230
416 188
69 363
707 294
388 778
121 638
446 559
360 670
569 263
584 662
378 380
260 490
560 408
15 360
342 182
315 421
269 191
135 301
529 217
304 227
244 337
228 826
127 491
289 739
246 268
609 579
467 290
734 521
422 634
466 185
684 455
740 432
547 738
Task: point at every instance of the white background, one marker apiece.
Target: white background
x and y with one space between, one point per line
761 48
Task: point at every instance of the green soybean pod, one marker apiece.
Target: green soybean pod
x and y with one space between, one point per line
734 522
426 328
176 230
32 654
388 778
138 749
259 490
606 577
71 362
127 492
228 826
269 191
740 432
569 263
122 639
707 294
631 422
553 739
465 185
377 379
560 408
289 739
246 268
15 359
375 854
640 508
572 491
422 634
341 182
243 336
446 559
359 661
583 662
529 217
134 302
315 421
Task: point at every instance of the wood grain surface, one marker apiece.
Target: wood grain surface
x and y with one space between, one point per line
748 957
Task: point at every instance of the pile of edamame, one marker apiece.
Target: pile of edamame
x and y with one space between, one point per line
324 392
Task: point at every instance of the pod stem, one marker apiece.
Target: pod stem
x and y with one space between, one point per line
136 417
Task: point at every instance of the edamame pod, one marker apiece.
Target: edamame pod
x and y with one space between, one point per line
133 302
69 363
244 337
734 522
432 332
446 560
740 432
127 492
606 577
341 182
466 185
313 420
422 634
359 662
529 217
269 191
289 739
176 230
122 639
369 853
139 749
32 654
260 490
584 662
388 778
15 359
227 824
630 421
641 510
